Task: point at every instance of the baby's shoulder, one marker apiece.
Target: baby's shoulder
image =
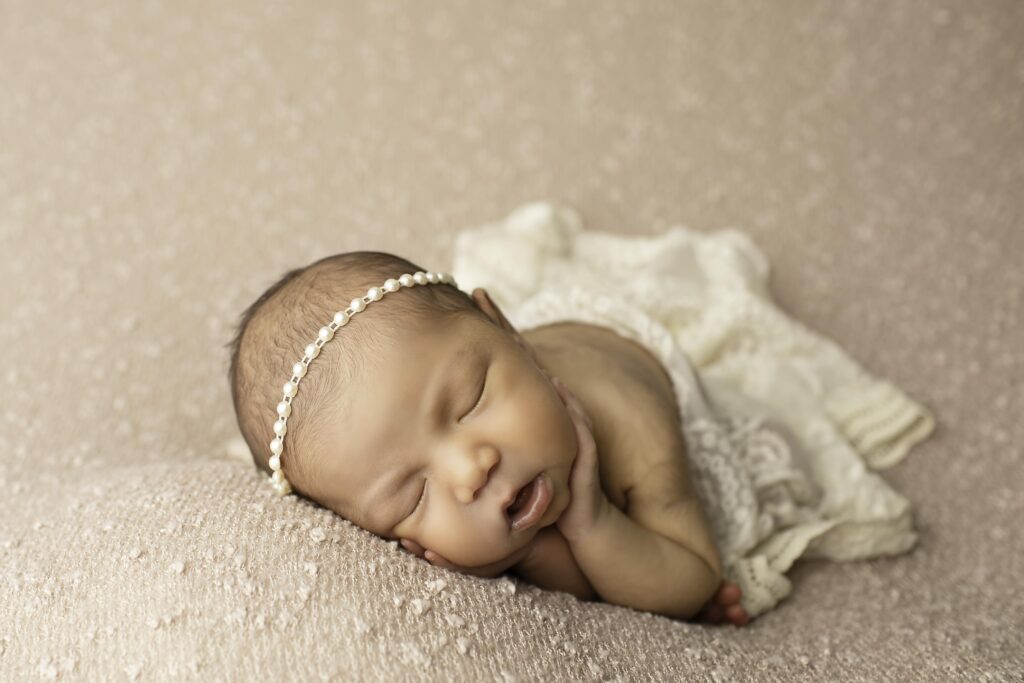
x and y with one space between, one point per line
626 391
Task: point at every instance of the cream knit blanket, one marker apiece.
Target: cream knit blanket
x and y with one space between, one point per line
783 427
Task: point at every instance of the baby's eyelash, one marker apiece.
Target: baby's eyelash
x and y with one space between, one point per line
479 398
423 494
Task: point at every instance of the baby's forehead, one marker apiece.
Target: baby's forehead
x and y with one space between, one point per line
438 339
414 358
440 328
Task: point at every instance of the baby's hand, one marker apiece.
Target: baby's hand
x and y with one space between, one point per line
491 570
589 503
725 604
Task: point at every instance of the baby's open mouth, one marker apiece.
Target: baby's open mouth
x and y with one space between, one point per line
530 503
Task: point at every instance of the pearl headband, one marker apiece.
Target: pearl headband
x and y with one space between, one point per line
341 318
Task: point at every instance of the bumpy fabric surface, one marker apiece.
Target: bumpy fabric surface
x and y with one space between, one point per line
783 428
161 164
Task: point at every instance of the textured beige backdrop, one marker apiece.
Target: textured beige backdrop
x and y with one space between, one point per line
162 163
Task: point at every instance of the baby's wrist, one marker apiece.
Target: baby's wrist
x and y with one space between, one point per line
603 512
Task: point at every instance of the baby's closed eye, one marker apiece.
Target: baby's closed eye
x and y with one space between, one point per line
476 404
479 397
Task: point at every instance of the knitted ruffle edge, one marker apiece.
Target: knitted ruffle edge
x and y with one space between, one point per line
880 421
882 424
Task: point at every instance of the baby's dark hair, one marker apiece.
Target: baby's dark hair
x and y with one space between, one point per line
275 329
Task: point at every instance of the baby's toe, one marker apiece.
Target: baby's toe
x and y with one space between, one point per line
730 594
737 614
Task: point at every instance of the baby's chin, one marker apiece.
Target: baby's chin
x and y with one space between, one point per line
490 552
497 553
517 540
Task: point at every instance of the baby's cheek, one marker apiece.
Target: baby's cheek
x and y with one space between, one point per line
467 546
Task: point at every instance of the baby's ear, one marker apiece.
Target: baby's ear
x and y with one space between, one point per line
485 304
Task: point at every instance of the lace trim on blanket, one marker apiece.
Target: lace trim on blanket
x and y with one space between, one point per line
748 481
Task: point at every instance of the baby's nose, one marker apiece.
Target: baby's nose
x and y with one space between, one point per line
476 473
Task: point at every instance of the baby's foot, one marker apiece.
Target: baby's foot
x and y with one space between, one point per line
725 606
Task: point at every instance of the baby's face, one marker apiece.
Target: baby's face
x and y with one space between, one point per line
452 421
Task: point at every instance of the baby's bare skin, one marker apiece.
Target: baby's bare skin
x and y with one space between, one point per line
623 386
724 605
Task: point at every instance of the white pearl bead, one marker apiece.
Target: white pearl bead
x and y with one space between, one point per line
325 334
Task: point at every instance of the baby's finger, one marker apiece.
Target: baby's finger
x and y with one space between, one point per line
560 390
567 396
571 402
412 546
586 446
438 561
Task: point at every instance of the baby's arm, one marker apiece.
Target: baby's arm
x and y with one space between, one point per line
651 559
551 566
633 566
545 561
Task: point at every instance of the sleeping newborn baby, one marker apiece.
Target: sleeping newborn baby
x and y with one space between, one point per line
552 453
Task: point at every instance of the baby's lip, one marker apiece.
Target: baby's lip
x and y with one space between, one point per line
534 507
510 497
